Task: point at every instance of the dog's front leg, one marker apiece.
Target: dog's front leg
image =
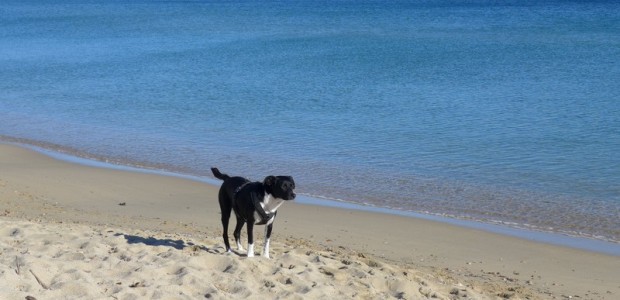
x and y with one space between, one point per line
250 238
268 229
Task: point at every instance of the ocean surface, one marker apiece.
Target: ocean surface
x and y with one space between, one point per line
498 111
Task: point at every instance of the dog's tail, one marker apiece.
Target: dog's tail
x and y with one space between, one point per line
218 174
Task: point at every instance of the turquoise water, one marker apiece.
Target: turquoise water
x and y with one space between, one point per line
499 111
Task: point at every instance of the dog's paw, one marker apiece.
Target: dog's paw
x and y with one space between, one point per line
239 247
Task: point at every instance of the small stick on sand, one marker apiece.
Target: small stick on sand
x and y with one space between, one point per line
17 265
39 280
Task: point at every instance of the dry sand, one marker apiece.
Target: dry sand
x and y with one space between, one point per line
64 235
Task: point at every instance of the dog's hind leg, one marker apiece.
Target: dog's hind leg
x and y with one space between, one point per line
226 209
237 233
225 218
268 229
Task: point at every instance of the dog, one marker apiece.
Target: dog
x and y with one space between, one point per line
254 203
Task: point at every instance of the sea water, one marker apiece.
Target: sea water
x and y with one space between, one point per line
497 111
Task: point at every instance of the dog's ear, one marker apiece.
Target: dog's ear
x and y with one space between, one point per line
269 180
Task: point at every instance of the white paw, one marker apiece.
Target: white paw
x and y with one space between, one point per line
250 250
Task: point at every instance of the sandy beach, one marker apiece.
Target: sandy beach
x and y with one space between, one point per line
70 231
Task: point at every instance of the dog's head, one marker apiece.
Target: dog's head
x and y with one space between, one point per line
280 187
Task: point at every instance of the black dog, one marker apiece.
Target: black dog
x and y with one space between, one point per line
254 203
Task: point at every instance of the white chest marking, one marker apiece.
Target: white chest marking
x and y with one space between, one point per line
269 205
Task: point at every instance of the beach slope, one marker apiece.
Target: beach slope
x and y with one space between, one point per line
75 231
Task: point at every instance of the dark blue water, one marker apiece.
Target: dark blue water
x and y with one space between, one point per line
500 111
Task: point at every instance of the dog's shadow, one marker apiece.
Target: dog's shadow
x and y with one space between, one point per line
151 241
176 244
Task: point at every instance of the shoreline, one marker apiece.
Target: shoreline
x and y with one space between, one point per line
62 196
554 238
551 238
519 221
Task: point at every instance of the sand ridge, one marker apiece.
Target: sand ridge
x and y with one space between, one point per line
55 261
